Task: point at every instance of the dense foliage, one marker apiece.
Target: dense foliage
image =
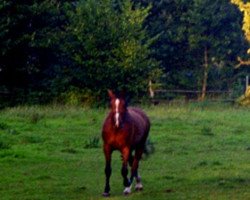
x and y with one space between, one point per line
108 48
245 8
188 27
73 51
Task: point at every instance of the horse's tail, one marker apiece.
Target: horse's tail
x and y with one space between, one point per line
149 148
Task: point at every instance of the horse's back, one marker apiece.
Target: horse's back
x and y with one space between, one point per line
141 121
141 113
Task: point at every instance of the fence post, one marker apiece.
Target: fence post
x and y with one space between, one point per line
151 91
247 81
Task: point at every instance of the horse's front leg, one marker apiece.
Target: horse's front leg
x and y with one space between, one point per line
126 182
107 152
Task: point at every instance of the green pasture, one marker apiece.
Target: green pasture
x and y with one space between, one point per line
54 152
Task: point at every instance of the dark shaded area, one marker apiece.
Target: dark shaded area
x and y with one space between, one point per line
73 51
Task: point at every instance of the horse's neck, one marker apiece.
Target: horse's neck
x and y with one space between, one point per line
126 117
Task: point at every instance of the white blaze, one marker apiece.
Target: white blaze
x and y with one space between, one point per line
117 114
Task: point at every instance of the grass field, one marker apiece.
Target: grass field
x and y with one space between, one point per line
55 153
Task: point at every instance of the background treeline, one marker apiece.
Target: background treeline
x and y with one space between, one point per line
72 51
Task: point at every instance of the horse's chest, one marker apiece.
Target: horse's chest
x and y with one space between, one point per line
118 140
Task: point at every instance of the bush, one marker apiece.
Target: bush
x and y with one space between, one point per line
244 100
77 97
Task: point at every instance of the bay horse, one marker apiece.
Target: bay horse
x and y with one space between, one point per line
125 129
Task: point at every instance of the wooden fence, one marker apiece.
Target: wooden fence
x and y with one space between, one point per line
159 96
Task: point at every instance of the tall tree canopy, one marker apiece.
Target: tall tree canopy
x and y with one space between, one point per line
245 9
67 49
49 48
28 35
108 47
186 28
214 44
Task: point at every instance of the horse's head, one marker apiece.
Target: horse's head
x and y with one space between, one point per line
118 108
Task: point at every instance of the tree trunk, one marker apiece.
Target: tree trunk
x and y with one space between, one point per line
205 76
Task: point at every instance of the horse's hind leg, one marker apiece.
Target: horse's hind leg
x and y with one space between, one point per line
131 159
134 169
138 186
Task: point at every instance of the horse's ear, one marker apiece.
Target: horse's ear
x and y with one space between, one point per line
111 94
123 94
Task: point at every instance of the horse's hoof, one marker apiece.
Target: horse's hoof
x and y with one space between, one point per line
127 190
105 194
138 187
126 193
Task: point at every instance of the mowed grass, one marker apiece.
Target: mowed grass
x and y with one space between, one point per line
54 152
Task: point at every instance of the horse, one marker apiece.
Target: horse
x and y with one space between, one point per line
125 129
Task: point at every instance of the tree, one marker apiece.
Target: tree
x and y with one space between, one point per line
186 28
28 36
107 47
167 18
210 40
245 9
50 48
